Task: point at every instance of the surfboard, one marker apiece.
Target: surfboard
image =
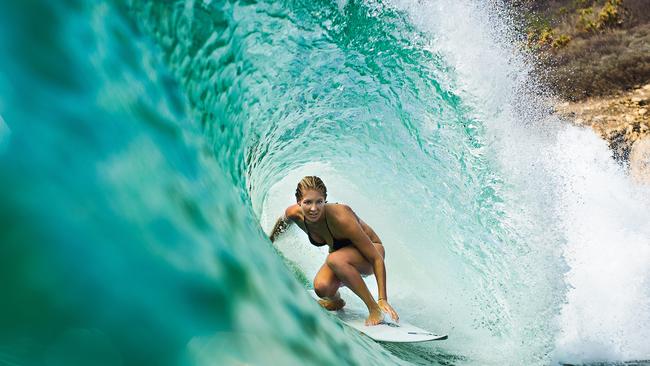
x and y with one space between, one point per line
387 331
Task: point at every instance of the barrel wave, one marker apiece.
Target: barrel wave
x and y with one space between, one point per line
146 148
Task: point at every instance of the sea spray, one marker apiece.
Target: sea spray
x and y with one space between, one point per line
591 213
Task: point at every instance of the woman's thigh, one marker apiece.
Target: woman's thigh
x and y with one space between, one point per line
352 255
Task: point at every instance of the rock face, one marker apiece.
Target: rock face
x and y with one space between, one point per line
622 120
594 56
640 160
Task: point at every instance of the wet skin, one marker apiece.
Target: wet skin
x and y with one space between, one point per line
345 266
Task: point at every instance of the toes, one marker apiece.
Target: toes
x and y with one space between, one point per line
370 322
332 305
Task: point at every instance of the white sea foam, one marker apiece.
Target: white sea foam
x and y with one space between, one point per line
605 220
600 216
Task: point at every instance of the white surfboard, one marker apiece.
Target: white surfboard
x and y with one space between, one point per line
387 331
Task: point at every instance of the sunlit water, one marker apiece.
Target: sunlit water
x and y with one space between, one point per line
146 147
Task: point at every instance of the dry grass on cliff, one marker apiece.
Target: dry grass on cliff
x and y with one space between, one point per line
590 47
603 64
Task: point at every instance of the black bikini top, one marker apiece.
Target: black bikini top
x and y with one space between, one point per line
336 244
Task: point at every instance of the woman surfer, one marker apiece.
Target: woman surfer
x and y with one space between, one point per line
354 248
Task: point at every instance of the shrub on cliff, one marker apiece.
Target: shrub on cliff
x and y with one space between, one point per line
589 47
600 65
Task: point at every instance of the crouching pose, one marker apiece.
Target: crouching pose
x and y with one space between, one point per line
355 250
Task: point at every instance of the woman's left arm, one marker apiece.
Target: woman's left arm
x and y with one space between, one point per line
351 228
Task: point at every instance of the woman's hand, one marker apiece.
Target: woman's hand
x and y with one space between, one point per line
385 307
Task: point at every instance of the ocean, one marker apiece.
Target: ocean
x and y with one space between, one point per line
147 147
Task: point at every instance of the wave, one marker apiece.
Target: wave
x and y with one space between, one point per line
152 143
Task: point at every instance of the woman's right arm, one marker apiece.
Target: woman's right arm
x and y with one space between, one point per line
281 225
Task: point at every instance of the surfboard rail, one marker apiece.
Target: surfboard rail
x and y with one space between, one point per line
386 331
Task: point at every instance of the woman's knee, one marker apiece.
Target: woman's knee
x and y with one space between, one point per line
324 288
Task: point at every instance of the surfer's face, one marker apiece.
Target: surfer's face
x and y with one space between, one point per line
312 205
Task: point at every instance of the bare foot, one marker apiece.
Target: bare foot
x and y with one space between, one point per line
375 317
332 304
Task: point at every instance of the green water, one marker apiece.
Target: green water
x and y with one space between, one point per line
146 146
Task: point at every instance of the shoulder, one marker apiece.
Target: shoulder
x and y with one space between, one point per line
339 209
293 212
341 214
343 221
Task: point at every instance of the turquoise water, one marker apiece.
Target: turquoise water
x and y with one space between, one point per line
146 147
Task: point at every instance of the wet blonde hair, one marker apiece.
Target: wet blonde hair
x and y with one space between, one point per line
310 182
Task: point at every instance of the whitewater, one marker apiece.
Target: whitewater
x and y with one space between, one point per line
147 148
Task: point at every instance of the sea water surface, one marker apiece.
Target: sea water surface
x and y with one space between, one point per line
147 147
